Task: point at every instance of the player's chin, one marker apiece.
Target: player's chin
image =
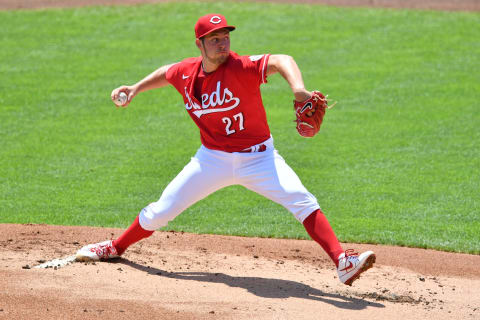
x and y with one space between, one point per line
222 56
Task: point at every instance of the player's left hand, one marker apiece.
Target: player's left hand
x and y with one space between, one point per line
310 114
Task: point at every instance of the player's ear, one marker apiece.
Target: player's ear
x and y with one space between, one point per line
199 44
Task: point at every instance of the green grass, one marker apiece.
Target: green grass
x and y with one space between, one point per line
396 162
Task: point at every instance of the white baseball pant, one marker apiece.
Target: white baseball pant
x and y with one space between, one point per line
265 173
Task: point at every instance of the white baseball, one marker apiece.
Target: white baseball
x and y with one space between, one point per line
121 99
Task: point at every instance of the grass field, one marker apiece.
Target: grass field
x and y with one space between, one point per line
396 162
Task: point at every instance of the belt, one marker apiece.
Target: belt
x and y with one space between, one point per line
256 148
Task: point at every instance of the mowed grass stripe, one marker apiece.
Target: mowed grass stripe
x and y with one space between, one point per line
396 161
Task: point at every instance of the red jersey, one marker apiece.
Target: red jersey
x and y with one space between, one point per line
227 107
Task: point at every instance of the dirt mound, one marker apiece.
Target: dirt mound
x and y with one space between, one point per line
185 276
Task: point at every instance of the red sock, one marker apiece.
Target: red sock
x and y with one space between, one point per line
133 234
320 230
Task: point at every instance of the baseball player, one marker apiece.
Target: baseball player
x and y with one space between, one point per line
221 92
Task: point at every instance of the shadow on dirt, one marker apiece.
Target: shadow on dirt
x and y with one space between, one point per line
262 287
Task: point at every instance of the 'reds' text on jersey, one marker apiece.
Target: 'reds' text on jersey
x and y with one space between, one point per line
226 104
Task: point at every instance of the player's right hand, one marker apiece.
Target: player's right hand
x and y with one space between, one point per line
128 90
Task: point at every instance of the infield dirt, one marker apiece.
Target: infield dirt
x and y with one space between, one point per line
175 275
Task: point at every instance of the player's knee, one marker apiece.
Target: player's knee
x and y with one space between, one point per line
155 216
301 204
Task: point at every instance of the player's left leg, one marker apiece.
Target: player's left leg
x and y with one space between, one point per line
273 178
319 229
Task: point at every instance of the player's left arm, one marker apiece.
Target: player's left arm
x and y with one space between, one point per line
288 69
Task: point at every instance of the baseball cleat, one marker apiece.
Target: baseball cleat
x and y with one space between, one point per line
97 251
351 265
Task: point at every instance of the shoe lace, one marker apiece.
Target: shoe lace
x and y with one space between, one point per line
104 251
349 260
350 253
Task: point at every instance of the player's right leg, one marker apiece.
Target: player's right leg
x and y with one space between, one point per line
207 172
204 175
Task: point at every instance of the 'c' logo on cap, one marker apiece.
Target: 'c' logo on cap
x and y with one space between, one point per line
215 19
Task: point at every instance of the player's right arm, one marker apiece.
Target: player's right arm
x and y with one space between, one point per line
156 79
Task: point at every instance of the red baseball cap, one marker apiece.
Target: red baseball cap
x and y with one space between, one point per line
210 23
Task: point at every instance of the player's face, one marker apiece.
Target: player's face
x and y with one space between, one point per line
216 46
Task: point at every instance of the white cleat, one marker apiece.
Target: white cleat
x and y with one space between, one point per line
97 251
351 265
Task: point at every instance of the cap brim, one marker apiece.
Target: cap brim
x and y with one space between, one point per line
230 28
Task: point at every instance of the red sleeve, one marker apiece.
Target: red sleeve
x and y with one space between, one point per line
258 64
172 74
